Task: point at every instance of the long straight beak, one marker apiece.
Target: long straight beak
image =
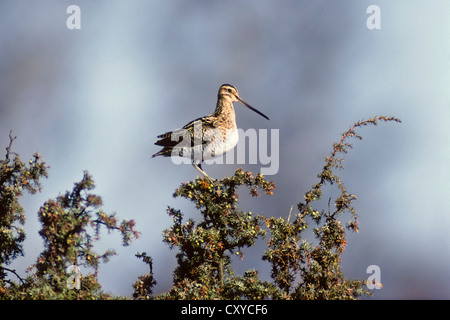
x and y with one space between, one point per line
251 108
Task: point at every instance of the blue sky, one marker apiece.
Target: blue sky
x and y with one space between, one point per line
96 98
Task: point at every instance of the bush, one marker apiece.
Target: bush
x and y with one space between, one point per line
71 223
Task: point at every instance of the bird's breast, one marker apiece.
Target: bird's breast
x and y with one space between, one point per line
219 142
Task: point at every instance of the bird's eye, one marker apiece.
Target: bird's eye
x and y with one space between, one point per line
229 90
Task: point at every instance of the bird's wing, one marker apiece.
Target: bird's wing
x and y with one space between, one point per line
191 134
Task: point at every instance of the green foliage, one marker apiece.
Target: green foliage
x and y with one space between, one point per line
71 224
301 268
143 287
206 247
15 177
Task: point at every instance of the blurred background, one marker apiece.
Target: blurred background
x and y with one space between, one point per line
96 98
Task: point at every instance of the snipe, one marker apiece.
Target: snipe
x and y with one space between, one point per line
207 137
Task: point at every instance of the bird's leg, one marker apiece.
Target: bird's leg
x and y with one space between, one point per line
199 168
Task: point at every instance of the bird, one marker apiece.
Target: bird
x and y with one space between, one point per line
206 137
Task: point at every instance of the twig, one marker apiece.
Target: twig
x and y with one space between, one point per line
14 272
290 211
8 148
351 133
329 212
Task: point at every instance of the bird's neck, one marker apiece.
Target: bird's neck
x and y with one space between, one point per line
224 109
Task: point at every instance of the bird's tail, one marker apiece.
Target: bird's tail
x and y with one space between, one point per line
166 152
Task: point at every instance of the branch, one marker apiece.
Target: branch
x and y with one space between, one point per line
15 273
351 133
8 148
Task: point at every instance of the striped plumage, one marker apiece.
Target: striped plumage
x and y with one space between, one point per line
206 137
